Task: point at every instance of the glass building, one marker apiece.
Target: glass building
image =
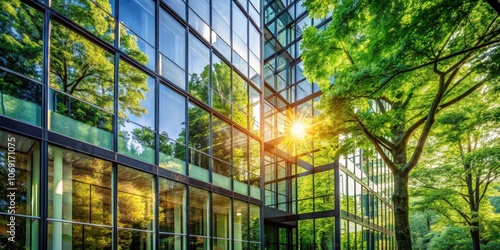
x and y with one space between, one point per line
165 124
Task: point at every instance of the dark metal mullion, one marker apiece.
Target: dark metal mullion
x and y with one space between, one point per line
114 176
336 191
156 202
44 159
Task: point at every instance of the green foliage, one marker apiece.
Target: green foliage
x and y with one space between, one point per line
451 238
388 68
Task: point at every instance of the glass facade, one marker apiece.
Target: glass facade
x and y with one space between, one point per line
165 124
312 201
132 122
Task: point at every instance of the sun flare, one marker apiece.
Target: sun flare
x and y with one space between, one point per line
298 129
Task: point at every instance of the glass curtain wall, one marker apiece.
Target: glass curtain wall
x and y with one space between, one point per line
124 107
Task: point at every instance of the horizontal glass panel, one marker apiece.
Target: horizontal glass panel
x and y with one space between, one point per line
240 178
131 239
80 120
199 164
136 141
21 39
172 155
20 98
172 72
221 173
76 236
168 241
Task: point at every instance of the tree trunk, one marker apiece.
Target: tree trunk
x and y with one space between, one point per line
401 211
474 232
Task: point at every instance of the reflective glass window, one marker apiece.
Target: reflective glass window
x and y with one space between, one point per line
95 17
136 141
199 69
20 98
221 219
199 214
172 208
172 114
254 223
80 191
136 95
240 221
135 208
221 86
137 30
80 68
240 22
21 29
20 176
172 49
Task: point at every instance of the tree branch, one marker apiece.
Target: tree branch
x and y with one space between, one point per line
375 143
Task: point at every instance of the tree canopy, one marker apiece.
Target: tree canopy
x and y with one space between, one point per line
387 68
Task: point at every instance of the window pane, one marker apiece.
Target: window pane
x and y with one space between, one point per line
77 236
240 23
137 30
199 127
20 98
172 114
198 212
139 16
240 151
136 96
20 174
172 210
135 199
240 221
28 227
82 183
254 223
199 69
172 39
172 155
80 68
221 207
136 141
221 86
168 241
221 140
131 239
21 29
94 17
80 120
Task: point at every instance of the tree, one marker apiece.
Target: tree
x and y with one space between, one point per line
465 156
388 68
